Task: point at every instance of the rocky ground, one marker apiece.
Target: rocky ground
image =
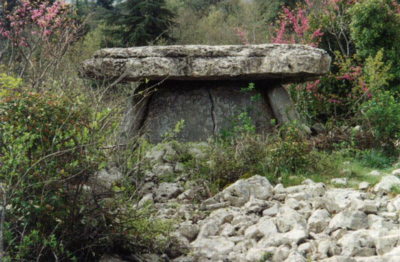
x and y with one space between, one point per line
251 220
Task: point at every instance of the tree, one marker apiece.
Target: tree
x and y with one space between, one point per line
106 4
375 27
139 22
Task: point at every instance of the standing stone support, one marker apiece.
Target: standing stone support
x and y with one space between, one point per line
282 107
203 85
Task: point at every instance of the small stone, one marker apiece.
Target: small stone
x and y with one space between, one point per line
272 211
374 173
146 200
396 172
279 189
363 185
227 231
213 247
349 220
379 223
394 204
387 243
187 195
188 230
292 203
166 191
386 184
296 257
287 219
390 215
317 190
357 243
239 193
162 170
366 206
304 248
339 181
291 238
179 167
281 253
319 220
337 234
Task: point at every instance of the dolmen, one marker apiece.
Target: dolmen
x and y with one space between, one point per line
212 88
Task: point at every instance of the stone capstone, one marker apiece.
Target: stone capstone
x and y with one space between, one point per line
200 62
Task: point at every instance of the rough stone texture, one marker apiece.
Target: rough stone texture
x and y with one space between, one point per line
196 62
250 220
208 109
386 184
190 83
251 223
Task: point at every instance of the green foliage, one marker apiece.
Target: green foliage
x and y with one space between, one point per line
375 159
290 150
47 154
225 161
382 117
8 84
267 256
173 133
215 24
135 227
374 27
138 23
376 73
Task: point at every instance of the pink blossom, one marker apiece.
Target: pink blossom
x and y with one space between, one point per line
242 35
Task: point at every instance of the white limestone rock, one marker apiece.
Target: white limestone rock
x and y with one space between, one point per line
386 184
319 220
201 62
348 219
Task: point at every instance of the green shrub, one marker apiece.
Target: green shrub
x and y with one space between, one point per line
382 118
47 154
289 151
374 27
375 159
50 147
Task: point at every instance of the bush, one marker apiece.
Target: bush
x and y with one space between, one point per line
374 27
50 148
382 118
289 152
47 154
375 159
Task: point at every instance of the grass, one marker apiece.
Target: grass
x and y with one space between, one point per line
221 164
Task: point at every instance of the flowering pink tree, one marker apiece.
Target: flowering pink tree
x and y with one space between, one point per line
35 36
293 27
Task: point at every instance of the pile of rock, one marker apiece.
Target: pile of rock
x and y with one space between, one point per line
166 180
253 221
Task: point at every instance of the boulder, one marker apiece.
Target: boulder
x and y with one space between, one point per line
240 192
166 191
386 184
319 220
348 219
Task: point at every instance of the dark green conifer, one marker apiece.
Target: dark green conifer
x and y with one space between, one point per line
139 22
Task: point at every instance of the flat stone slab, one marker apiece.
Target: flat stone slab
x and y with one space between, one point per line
288 63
